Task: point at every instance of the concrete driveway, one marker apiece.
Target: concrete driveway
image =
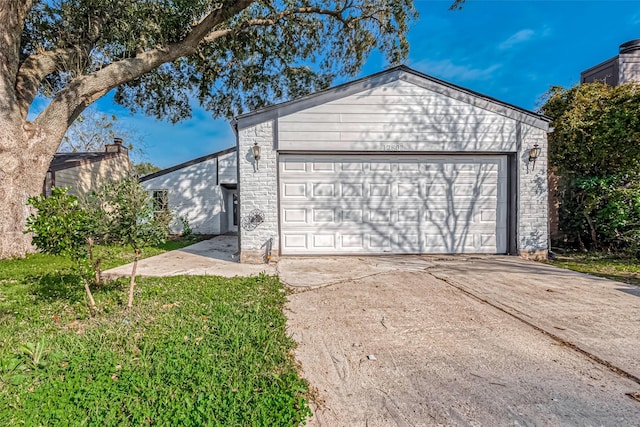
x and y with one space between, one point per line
417 341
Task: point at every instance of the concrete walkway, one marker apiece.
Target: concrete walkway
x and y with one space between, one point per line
213 257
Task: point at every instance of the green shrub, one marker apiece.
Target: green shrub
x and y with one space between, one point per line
60 226
595 149
602 213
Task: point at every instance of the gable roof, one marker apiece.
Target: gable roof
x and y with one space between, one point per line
188 163
63 161
401 72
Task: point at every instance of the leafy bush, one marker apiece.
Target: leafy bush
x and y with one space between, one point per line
595 149
60 226
602 213
186 227
122 213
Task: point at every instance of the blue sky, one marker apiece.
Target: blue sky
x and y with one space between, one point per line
510 50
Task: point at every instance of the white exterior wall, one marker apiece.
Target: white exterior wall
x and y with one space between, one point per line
228 168
258 190
194 195
396 116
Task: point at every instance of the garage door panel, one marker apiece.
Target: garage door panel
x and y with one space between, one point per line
294 216
352 216
323 216
294 189
293 240
380 216
351 190
352 241
392 204
323 167
324 241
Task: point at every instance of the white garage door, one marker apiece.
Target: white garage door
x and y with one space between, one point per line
349 204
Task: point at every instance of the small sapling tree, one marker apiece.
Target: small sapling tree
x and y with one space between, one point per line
134 220
60 226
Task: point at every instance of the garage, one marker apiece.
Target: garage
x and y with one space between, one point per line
357 204
395 163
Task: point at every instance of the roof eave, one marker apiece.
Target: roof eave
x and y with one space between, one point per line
188 163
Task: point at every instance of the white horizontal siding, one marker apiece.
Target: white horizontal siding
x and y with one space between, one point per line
194 195
629 68
228 168
397 113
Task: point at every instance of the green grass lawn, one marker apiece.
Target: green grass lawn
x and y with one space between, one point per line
614 267
193 351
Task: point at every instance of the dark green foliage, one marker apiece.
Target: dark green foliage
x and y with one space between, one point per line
122 213
595 149
194 351
131 219
272 51
596 129
60 226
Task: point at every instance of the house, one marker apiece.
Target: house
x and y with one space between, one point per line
395 163
202 191
88 171
623 68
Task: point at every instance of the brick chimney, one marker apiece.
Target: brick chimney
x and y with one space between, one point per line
116 147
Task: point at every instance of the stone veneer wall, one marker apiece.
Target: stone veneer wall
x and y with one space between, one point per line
533 204
258 190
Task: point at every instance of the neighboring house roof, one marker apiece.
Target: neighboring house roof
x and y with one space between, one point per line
401 72
71 160
188 163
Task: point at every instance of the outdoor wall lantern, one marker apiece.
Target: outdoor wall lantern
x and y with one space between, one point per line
256 153
533 155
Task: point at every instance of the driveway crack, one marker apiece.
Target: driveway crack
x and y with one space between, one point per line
562 341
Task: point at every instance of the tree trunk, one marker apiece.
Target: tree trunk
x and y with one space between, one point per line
25 155
132 282
92 302
592 231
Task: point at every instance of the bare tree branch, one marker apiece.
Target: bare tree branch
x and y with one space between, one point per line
337 14
37 67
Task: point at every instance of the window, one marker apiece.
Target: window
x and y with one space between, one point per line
160 200
235 209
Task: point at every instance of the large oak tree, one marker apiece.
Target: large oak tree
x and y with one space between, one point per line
230 55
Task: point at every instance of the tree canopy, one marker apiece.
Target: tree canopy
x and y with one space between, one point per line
229 55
